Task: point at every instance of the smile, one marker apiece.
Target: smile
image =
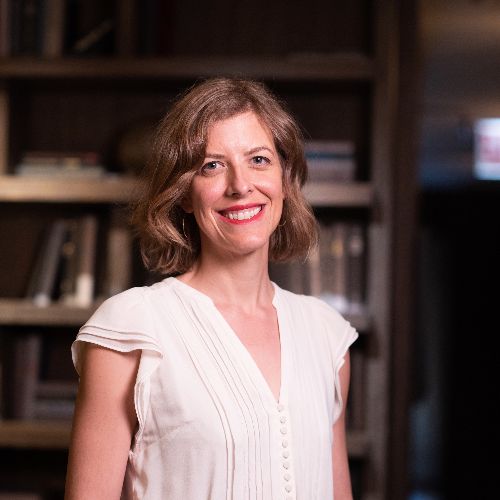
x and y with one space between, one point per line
237 214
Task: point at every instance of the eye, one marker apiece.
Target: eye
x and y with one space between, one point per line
261 160
210 168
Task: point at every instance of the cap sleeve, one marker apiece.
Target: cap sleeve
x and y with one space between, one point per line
347 338
124 323
341 335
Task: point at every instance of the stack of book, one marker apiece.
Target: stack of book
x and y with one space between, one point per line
85 164
330 161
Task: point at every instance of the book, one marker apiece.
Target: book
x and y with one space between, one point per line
25 376
60 164
30 31
85 274
5 29
333 264
330 161
314 272
4 139
69 262
119 255
44 276
53 29
355 248
356 401
126 27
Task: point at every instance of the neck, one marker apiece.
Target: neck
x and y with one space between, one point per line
241 281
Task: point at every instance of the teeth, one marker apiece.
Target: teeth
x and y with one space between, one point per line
243 214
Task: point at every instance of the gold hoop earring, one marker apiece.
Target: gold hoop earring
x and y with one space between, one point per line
184 228
281 225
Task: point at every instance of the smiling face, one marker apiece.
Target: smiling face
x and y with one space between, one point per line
236 195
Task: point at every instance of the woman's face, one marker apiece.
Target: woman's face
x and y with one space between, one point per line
236 195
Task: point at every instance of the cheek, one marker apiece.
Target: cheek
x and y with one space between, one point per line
273 187
205 194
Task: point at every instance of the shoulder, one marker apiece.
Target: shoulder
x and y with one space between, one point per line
312 306
129 308
318 318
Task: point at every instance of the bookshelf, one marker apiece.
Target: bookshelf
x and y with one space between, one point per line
348 92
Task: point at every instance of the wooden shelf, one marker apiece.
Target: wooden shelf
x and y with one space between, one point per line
56 435
23 312
116 189
312 67
356 194
109 189
34 434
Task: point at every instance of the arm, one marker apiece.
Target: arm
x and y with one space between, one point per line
341 477
103 424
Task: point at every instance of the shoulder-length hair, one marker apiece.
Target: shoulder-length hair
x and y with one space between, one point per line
169 237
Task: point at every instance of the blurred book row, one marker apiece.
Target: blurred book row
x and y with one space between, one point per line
55 28
334 271
32 392
64 269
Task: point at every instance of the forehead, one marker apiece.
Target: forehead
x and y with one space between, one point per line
243 129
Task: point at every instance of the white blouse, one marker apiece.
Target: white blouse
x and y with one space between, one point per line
209 426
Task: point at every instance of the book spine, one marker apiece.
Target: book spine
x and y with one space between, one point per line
27 352
333 262
356 402
314 272
29 27
126 28
356 257
53 28
4 131
85 279
5 27
43 287
69 263
119 256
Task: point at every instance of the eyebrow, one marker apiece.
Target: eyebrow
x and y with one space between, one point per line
247 153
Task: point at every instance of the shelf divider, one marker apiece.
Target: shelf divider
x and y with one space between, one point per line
34 434
295 67
118 189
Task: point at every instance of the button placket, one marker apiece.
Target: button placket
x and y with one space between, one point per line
285 453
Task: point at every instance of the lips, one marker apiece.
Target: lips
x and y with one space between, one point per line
242 213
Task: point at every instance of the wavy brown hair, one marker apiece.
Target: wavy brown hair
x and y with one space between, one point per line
169 237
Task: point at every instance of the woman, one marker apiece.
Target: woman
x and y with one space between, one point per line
216 383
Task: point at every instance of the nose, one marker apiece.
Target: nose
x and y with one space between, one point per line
239 182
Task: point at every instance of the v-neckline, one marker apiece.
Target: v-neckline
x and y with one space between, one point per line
246 355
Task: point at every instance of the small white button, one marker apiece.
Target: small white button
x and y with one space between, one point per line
284 443
283 430
285 454
282 419
288 488
286 465
287 477
280 407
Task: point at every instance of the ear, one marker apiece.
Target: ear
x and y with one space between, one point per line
186 205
